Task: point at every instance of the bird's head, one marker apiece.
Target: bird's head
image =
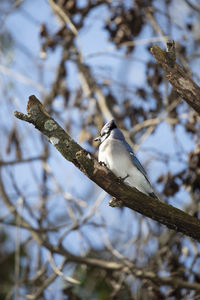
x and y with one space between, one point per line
107 129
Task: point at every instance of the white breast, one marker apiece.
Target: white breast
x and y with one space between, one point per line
118 160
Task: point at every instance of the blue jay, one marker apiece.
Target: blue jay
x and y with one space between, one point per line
119 157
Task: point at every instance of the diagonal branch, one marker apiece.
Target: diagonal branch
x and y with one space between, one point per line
168 215
177 76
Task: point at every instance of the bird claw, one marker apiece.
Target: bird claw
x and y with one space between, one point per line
122 179
114 202
102 163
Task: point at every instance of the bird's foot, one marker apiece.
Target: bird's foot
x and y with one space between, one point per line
102 163
114 202
122 179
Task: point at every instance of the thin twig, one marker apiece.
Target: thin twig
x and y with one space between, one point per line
58 270
63 16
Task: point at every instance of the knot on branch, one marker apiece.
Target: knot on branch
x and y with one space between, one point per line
34 105
171 53
167 57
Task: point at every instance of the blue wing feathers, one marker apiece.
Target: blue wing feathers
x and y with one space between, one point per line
134 159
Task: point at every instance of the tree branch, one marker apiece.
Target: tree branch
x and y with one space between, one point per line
168 215
177 76
123 266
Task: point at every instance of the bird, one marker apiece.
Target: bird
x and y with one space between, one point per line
117 155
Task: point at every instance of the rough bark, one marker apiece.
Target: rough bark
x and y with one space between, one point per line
165 214
177 76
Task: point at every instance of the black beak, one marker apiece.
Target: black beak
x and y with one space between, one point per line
97 139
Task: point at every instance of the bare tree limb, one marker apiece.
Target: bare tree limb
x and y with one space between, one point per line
21 161
126 267
169 281
168 215
42 287
178 77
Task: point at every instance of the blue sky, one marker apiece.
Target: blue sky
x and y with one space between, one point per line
94 41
